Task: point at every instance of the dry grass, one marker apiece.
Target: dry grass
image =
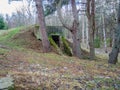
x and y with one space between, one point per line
34 70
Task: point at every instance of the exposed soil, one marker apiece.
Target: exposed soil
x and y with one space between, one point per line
29 40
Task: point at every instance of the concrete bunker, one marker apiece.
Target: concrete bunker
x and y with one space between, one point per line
56 39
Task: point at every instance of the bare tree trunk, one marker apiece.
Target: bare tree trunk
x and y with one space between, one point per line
44 37
83 31
91 40
87 35
74 29
104 33
76 32
91 25
115 50
93 28
76 45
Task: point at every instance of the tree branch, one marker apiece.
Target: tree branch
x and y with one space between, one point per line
61 18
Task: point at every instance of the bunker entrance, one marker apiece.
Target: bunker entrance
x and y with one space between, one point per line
56 39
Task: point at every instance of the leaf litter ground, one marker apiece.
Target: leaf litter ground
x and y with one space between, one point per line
34 70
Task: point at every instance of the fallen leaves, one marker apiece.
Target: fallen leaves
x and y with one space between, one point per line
36 71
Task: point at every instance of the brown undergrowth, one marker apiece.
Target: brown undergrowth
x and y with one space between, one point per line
28 40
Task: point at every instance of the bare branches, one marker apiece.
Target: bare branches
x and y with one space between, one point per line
61 18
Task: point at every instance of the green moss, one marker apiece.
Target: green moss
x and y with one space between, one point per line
37 26
66 47
52 42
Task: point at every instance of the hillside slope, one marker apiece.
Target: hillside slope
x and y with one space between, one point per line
21 58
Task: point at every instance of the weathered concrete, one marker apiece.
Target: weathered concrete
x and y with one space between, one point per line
6 83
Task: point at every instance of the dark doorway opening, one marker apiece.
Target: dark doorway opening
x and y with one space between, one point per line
56 38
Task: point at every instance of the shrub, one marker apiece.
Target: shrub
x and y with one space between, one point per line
2 23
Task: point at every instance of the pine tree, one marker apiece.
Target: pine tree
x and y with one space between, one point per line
2 23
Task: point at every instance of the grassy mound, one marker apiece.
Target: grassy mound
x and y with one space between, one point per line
21 38
32 70
26 38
